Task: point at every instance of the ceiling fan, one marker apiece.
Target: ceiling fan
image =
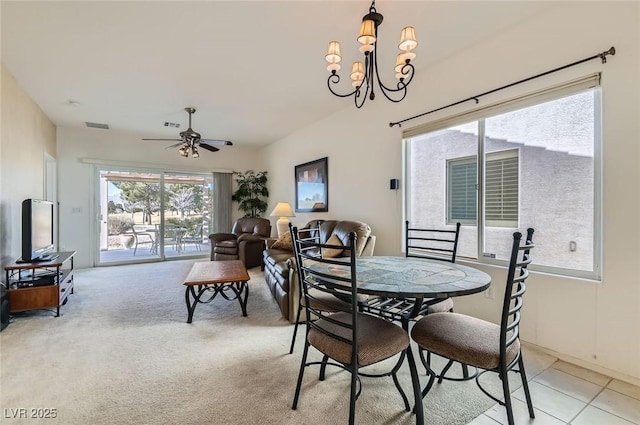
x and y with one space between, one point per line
190 140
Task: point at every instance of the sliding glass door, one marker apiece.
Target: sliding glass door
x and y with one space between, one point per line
151 216
186 214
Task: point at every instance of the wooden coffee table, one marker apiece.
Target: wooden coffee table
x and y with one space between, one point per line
227 278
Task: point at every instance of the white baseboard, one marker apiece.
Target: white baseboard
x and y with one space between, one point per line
585 364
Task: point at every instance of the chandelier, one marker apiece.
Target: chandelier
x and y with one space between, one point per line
365 75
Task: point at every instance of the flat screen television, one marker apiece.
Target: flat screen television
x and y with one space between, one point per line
37 231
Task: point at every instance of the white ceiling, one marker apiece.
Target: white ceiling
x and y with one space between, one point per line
254 70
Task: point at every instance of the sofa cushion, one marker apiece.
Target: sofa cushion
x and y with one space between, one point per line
332 252
362 231
284 242
273 256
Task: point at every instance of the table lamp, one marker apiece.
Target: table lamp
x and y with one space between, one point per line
282 210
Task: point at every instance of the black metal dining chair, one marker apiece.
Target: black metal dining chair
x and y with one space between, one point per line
327 301
432 244
347 338
476 342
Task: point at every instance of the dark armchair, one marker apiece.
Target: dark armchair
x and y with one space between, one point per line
245 242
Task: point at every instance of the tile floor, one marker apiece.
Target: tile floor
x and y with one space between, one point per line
563 393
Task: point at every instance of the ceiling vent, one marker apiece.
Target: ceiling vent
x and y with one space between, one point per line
96 125
171 124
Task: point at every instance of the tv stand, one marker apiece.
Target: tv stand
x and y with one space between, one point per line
42 284
43 259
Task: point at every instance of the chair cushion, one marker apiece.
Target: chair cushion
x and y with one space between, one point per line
443 306
227 244
377 339
226 247
463 338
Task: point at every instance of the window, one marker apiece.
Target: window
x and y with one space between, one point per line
462 199
501 188
533 162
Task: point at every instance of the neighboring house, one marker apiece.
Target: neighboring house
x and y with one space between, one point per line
451 150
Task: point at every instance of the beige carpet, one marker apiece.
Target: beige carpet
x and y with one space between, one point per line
122 353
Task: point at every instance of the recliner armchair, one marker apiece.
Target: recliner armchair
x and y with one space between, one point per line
245 242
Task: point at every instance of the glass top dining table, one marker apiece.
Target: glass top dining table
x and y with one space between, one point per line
411 277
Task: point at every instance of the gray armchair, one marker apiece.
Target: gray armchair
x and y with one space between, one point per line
245 242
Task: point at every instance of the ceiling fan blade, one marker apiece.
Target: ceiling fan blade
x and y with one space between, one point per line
176 145
165 140
209 148
216 142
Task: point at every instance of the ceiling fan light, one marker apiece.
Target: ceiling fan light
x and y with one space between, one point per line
194 152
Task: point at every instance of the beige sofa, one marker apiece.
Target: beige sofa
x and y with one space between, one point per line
279 263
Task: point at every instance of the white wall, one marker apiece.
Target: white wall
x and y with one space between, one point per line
77 186
26 135
594 324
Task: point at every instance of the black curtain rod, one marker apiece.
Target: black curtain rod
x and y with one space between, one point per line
602 56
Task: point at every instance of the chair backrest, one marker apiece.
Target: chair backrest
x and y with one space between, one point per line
516 276
331 276
435 244
197 232
253 225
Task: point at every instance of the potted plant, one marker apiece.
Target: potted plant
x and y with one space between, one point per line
252 188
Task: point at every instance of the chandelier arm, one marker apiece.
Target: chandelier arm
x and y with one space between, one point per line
360 95
336 80
407 69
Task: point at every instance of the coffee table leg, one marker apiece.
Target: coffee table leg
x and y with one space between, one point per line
238 288
190 307
242 286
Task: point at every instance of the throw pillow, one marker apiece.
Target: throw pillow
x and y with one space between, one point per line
284 242
332 252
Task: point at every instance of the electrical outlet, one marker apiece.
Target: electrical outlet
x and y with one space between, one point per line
490 293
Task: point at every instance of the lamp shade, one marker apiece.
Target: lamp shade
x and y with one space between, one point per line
408 39
357 72
367 32
283 209
333 52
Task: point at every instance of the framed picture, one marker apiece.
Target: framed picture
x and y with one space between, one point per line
311 186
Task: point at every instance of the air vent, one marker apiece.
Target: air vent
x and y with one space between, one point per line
171 124
96 125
